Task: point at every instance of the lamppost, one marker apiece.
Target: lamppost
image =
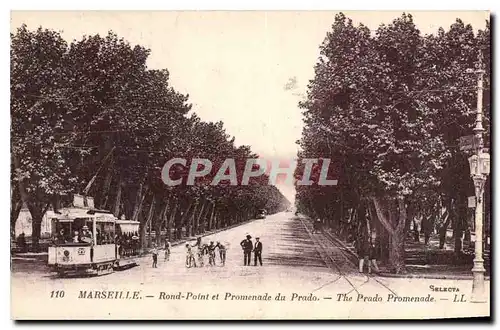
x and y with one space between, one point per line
479 169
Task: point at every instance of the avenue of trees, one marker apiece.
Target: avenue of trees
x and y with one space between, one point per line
388 107
90 118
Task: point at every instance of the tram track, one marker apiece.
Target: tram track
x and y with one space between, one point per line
327 257
348 256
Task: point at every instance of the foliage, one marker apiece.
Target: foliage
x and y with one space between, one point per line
90 117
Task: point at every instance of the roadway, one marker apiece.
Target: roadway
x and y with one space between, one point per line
320 275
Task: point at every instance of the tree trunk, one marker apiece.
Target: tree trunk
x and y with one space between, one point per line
203 222
191 220
395 225
146 223
170 220
16 207
178 216
37 211
139 199
397 252
211 219
182 220
198 217
216 219
141 196
163 215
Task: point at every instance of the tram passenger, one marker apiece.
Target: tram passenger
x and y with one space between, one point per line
86 232
61 237
135 244
76 237
99 237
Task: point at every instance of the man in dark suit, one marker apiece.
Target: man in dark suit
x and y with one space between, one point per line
247 247
257 251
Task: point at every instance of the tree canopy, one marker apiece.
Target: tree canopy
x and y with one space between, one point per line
388 108
89 117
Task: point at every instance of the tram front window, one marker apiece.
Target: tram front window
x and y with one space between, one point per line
62 232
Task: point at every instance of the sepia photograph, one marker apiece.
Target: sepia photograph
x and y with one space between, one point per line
250 165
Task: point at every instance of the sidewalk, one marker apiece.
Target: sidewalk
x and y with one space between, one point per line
416 265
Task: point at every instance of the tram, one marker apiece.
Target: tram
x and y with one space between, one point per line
86 242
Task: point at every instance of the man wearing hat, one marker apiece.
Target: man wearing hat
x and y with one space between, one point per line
247 247
257 252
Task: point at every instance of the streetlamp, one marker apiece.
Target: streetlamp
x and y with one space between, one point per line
479 169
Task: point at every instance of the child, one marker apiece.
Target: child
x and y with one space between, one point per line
155 256
211 254
201 248
167 251
189 256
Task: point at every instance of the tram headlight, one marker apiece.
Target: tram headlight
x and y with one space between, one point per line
66 253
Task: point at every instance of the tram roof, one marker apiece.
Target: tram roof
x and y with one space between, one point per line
70 214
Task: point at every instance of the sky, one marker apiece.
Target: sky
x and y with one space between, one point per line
247 68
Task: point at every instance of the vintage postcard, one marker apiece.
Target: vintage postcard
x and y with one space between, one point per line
250 165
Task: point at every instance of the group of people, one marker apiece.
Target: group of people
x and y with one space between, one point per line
195 254
204 250
128 244
84 235
248 247
155 253
368 252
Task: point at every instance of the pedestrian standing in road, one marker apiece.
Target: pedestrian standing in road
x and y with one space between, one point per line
155 256
222 253
247 247
374 255
190 261
363 250
257 251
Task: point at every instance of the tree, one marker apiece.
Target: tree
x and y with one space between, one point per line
39 107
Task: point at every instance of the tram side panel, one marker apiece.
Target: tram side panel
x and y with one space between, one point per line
69 255
104 253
